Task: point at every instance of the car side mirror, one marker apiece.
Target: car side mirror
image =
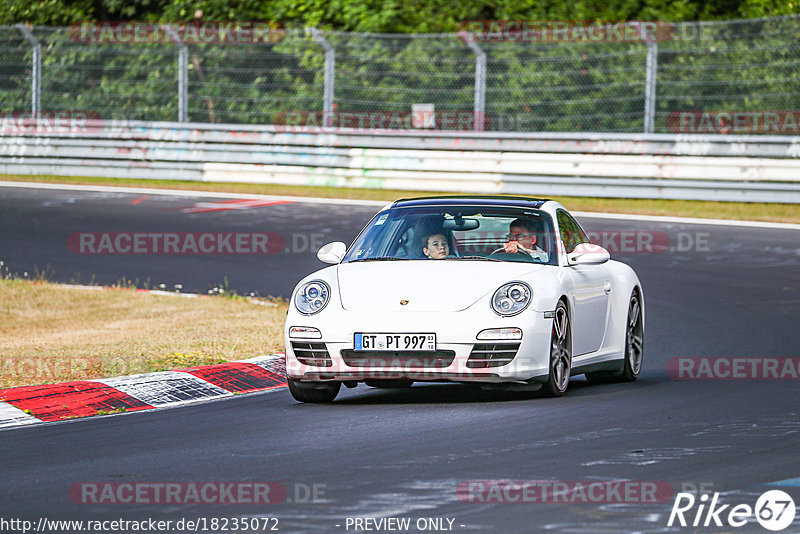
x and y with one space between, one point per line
588 254
332 252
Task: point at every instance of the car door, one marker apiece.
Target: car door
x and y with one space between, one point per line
592 286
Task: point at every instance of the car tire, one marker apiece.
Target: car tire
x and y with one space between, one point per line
560 354
634 348
634 340
317 392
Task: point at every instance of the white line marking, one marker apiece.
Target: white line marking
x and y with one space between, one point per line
381 203
188 193
13 416
686 220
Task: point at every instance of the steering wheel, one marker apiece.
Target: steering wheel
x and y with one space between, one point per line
502 250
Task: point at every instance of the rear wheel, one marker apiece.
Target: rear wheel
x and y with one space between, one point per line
634 348
634 340
313 391
560 354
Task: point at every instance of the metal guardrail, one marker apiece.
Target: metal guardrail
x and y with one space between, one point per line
702 167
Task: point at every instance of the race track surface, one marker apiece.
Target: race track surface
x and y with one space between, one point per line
392 453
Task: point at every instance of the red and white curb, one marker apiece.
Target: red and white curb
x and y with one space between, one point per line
83 398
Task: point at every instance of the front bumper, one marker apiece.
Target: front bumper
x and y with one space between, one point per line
456 336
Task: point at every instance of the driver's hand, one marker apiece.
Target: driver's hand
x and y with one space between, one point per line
512 246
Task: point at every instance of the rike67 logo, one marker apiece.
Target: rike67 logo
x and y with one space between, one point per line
774 510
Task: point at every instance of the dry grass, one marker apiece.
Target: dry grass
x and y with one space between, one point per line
750 211
54 333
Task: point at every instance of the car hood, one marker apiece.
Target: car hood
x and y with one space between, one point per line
426 285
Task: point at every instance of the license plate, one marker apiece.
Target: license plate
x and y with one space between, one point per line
385 341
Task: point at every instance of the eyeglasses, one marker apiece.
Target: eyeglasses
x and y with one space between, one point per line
516 237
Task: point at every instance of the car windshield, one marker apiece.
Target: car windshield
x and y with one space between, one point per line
457 233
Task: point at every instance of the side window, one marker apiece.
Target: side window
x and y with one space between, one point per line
571 232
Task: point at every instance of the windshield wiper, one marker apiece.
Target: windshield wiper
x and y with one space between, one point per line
485 258
381 258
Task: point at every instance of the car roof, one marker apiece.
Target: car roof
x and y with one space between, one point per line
451 200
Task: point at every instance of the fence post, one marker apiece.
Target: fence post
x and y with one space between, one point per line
183 81
36 68
330 72
479 100
650 87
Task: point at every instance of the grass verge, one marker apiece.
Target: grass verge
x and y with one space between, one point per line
55 333
787 213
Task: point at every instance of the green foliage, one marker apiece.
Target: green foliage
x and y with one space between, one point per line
49 12
388 16
748 65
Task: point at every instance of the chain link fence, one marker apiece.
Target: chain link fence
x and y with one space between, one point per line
747 66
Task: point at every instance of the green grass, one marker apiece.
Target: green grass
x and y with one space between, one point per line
56 333
787 213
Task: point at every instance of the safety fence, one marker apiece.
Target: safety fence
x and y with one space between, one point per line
703 167
585 79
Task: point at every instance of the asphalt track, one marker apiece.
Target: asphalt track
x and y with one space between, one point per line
377 453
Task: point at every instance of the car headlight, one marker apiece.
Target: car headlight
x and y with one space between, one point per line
311 297
512 298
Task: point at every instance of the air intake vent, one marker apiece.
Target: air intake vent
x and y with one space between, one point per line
315 354
492 354
405 359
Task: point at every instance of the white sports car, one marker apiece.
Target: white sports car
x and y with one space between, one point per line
505 292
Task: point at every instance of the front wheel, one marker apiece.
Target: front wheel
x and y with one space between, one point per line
313 391
560 354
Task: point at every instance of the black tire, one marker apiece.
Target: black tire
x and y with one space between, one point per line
560 354
313 392
399 383
634 340
634 348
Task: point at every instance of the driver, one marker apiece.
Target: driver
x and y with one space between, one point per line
434 246
522 238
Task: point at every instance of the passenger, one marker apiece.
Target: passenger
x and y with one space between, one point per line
434 246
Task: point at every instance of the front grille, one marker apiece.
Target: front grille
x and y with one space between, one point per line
403 359
315 354
492 354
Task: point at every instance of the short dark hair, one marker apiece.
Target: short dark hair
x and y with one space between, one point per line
528 224
428 235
